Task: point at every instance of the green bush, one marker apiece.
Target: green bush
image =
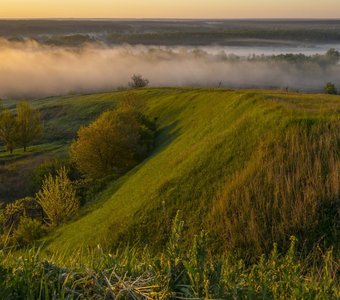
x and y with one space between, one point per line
51 167
28 231
113 144
58 198
12 212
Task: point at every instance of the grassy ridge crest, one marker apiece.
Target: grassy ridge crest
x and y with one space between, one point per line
215 149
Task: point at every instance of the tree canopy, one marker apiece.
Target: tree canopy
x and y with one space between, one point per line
108 145
21 128
8 129
29 125
115 142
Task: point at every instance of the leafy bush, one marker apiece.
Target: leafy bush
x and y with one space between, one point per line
28 231
88 189
51 167
112 144
13 212
58 198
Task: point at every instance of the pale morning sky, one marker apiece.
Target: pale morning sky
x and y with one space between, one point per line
169 9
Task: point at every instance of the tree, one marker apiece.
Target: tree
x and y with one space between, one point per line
58 197
138 81
8 129
108 146
29 126
330 89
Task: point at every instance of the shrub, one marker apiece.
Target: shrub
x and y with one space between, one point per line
330 89
28 231
58 198
137 81
50 167
13 212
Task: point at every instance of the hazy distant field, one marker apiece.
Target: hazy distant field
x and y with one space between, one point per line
55 57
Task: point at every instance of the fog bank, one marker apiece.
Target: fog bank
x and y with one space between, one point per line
30 70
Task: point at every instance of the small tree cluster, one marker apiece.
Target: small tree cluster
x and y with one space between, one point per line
24 221
20 129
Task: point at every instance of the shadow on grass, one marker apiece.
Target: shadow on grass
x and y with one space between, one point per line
32 151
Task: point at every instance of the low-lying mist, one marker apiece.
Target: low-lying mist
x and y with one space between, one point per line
29 69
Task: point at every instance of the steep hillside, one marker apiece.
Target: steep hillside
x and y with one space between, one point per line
250 167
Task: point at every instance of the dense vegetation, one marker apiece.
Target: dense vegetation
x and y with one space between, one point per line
249 168
175 274
106 149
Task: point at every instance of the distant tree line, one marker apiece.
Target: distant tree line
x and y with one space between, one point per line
330 58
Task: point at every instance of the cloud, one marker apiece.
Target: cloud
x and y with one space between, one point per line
31 70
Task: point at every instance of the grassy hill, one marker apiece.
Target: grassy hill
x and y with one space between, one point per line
249 167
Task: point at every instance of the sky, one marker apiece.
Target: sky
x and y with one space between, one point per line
170 9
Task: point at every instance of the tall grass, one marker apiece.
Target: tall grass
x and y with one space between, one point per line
174 274
291 186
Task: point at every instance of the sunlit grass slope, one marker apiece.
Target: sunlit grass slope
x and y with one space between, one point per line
250 167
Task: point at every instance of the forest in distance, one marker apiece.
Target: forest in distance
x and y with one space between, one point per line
172 32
